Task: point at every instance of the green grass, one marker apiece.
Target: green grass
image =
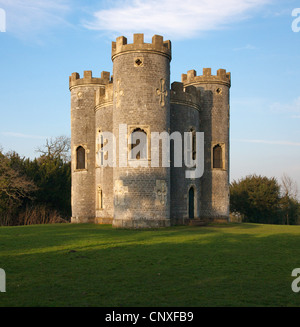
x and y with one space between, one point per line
97 265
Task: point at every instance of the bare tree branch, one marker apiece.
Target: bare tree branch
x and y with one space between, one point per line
289 187
59 147
13 186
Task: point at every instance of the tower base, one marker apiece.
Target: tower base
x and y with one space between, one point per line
141 223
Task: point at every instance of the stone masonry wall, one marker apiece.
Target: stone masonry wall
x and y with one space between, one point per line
214 120
139 75
138 195
83 134
185 111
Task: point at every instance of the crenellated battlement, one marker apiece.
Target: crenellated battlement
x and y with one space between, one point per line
88 79
158 45
104 96
191 77
188 96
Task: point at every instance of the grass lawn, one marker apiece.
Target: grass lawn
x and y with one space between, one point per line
97 265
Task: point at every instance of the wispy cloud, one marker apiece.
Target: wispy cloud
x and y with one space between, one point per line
33 16
246 47
288 107
24 136
273 12
173 18
274 142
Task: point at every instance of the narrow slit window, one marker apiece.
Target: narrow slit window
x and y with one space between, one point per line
217 157
100 198
99 149
80 158
193 144
191 147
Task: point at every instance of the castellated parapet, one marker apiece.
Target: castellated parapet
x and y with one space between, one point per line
75 80
104 96
191 77
188 96
158 46
133 193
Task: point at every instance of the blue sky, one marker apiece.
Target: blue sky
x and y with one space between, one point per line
45 41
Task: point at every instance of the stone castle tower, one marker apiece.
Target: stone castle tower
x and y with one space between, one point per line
124 187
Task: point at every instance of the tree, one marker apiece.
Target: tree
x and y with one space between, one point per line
59 147
289 187
53 179
52 174
15 186
35 191
257 198
289 203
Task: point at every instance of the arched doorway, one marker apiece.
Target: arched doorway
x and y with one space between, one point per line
191 203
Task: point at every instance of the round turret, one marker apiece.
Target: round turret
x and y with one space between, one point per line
214 122
141 104
185 117
83 143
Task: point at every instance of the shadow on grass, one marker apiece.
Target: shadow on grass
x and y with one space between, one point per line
90 265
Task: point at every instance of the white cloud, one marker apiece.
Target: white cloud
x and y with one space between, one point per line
33 16
172 18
